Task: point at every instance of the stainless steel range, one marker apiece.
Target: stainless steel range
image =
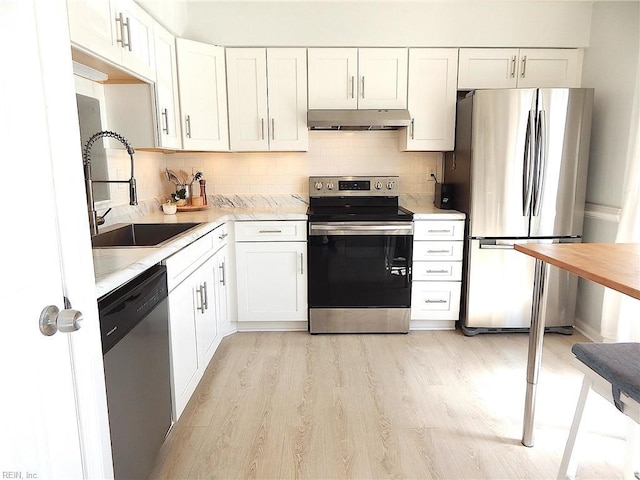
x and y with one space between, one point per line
359 252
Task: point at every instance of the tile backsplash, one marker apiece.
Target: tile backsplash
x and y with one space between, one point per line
281 173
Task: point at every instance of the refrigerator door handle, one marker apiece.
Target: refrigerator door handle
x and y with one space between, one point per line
498 244
540 161
527 170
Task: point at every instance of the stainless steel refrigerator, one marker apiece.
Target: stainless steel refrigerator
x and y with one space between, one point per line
519 172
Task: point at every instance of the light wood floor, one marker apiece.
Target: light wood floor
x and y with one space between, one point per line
424 405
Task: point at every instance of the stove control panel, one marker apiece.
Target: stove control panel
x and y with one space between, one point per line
354 186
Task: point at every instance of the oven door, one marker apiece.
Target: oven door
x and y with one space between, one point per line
359 276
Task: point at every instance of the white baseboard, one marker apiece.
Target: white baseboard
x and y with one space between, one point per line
588 331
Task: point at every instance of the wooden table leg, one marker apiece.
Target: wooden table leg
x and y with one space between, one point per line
534 359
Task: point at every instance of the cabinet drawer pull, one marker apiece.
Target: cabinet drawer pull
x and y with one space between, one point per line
438 271
270 231
438 251
223 236
443 230
435 301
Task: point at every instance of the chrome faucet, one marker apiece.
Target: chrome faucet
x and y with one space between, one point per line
94 219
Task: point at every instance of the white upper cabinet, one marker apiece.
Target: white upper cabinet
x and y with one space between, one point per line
203 96
433 75
382 78
550 67
524 68
92 27
167 100
267 99
357 78
116 30
136 38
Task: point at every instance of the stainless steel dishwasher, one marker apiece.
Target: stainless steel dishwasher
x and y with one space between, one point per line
134 324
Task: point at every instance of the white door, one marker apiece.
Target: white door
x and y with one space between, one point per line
137 38
287 80
487 68
247 91
550 67
382 81
333 81
272 281
53 401
203 96
92 26
433 75
167 89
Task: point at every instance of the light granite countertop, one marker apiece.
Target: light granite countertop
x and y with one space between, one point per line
114 267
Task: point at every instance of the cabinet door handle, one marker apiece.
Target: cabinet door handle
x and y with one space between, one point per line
128 25
120 22
188 125
222 273
262 128
523 67
223 236
205 301
513 66
352 86
165 114
200 307
273 129
362 91
302 264
412 128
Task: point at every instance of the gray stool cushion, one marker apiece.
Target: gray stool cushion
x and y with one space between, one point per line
618 363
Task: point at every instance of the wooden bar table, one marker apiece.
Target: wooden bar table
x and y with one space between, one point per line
614 265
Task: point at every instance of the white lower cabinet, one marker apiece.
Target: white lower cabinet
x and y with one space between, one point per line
199 311
437 273
271 262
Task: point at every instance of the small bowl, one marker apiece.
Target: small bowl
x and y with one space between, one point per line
169 208
182 202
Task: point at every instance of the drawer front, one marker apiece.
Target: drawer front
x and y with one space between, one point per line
435 301
437 271
450 251
438 230
220 235
271 231
181 264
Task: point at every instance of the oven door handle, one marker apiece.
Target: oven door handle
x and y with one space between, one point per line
360 228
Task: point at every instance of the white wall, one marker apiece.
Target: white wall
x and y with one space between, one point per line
467 23
610 66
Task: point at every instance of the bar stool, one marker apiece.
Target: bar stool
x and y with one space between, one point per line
613 371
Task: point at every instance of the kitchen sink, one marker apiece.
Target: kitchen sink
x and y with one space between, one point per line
140 234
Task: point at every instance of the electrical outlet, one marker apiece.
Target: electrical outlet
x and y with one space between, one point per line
432 173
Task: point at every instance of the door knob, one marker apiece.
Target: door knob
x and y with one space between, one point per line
52 320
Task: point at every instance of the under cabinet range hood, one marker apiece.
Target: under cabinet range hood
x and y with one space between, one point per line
358 119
